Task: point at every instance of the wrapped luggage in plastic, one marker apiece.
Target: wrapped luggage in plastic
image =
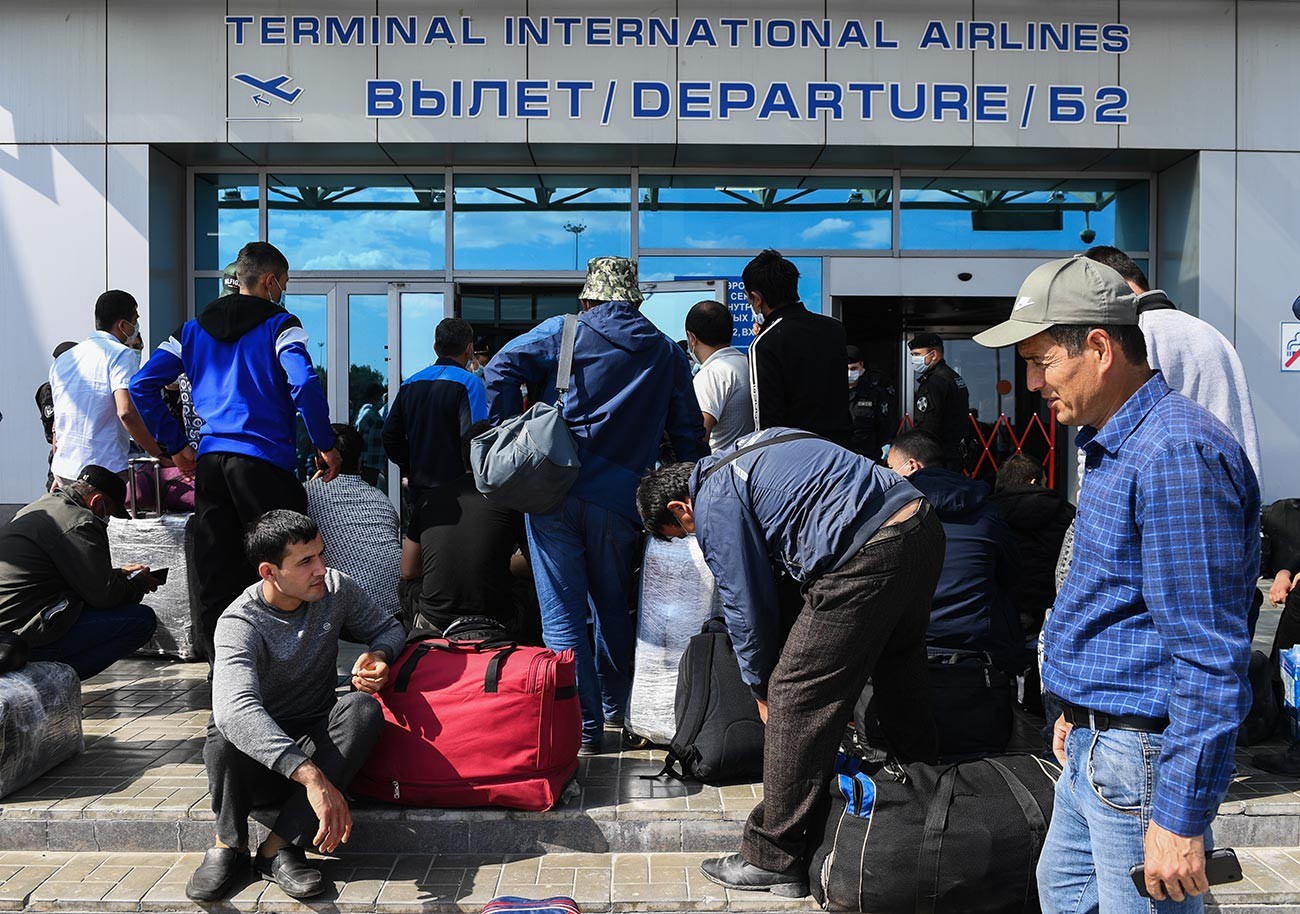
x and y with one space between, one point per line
678 596
159 542
40 722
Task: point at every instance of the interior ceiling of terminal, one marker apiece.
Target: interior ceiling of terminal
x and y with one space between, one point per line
522 155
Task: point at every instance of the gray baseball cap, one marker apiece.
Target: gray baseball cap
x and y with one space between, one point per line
1071 291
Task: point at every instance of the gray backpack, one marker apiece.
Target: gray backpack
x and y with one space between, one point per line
530 462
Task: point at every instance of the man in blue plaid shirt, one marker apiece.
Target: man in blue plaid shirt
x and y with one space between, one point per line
1147 643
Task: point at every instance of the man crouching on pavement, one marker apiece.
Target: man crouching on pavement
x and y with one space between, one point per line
866 549
278 734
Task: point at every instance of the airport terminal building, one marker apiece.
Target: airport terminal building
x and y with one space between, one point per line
416 160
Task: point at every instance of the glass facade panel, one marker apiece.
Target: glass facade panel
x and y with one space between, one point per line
225 218
478 306
358 222
691 211
368 381
420 314
666 269
516 307
311 308
1047 214
540 222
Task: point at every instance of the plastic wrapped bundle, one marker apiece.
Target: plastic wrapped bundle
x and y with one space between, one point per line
159 542
677 597
40 722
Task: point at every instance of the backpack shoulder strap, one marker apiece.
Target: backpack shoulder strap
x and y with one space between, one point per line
740 452
564 370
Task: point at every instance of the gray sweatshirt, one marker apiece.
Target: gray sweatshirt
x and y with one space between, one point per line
275 668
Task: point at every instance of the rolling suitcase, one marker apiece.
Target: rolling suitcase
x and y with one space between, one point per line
159 541
678 595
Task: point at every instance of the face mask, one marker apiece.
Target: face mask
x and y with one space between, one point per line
918 364
690 353
276 301
854 374
758 317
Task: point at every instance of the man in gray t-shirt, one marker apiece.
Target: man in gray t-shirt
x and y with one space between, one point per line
722 383
278 735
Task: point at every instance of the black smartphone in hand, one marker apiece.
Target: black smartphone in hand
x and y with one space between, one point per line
1221 866
159 574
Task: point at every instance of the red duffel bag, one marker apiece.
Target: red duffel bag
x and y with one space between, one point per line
476 723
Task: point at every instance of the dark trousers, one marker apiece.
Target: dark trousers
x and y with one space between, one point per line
864 620
230 492
99 638
338 744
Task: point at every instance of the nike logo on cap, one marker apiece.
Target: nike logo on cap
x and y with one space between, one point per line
1023 301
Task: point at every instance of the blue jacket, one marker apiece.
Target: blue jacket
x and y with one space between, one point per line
250 372
630 384
808 504
430 415
973 609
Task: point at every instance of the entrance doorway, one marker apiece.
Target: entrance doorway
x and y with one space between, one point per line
1006 418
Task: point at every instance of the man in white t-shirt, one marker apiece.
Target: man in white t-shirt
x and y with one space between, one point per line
94 418
722 383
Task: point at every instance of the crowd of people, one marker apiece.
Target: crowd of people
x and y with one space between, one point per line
845 552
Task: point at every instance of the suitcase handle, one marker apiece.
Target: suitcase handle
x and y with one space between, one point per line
491 680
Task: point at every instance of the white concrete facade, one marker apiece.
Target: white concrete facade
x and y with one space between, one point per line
100 100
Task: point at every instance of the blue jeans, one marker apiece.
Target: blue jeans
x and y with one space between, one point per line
1099 823
580 553
99 638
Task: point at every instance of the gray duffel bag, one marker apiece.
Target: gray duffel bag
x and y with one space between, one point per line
530 462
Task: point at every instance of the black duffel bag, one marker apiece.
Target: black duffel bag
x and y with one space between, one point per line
955 839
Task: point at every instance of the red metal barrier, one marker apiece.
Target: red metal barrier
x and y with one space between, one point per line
1047 430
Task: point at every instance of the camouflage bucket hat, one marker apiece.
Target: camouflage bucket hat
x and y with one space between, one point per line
229 281
611 279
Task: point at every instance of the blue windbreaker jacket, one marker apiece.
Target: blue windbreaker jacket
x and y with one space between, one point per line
250 372
630 384
808 504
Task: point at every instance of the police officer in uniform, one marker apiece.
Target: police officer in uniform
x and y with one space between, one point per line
869 399
942 405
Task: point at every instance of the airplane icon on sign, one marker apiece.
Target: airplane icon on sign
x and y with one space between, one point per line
272 87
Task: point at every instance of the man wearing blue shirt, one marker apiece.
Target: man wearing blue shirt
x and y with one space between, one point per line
1147 643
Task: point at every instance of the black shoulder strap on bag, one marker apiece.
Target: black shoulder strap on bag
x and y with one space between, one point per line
927 858
564 370
740 452
1037 826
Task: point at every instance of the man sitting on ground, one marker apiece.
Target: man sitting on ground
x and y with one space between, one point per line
358 524
59 590
278 733
866 548
972 614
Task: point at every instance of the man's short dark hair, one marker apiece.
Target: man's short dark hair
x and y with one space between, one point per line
920 446
1018 470
270 536
1120 262
452 336
256 259
656 490
773 277
710 320
475 430
1128 337
113 306
347 441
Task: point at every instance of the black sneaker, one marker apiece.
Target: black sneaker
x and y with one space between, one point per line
213 878
290 870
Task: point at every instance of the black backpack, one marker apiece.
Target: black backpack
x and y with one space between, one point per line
955 839
719 734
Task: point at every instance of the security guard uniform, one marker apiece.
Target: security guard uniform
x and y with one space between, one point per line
943 409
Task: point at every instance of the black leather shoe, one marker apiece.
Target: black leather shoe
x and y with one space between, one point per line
291 871
1286 762
213 878
734 872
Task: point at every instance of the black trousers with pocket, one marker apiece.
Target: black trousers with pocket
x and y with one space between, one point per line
230 492
867 619
338 744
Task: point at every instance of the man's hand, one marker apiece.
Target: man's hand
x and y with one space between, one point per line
329 805
1283 584
187 461
332 461
1060 730
762 710
151 583
370 672
1174 865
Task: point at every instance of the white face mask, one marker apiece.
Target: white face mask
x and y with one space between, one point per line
690 354
918 364
854 374
758 316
